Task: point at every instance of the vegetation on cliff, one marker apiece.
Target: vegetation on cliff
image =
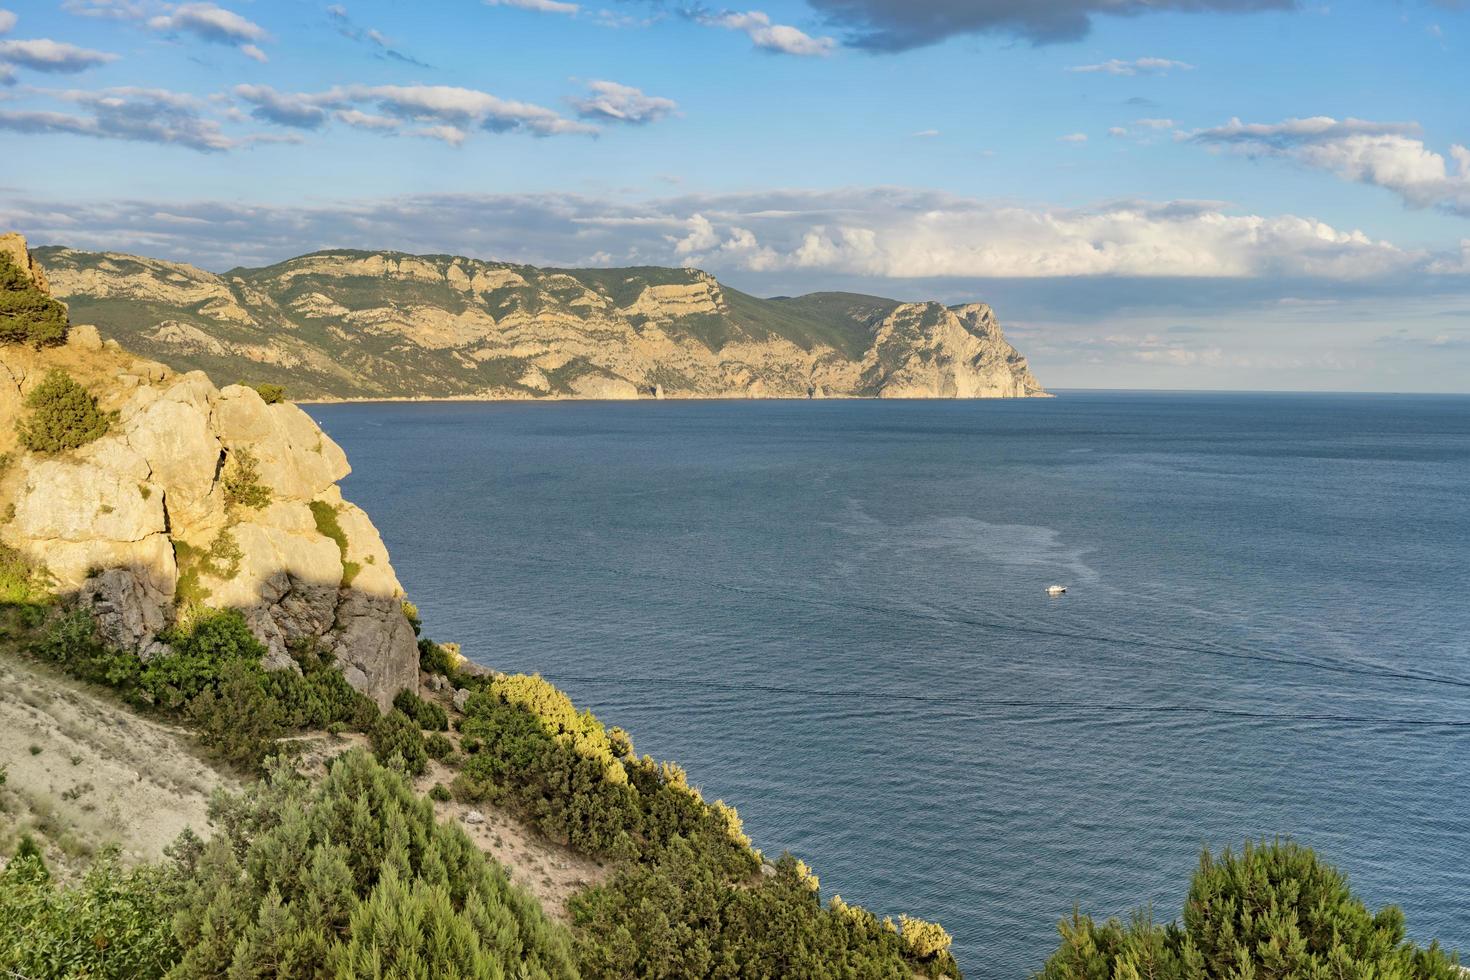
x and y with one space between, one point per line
62 415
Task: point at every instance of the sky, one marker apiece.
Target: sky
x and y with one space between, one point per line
1236 194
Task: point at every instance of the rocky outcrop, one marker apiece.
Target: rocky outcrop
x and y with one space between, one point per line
139 524
383 324
13 247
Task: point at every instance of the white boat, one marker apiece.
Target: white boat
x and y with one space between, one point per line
1055 589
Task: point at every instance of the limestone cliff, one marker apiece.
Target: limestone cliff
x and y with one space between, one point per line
140 524
347 324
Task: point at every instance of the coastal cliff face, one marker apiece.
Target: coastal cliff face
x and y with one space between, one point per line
145 521
348 324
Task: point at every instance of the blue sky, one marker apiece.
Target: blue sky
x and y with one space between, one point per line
1227 193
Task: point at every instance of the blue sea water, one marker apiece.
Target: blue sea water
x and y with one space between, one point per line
833 614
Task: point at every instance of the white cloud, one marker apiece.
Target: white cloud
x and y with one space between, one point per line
778 38
1382 154
1138 66
1073 138
1117 131
447 112
452 135
622 103
926 134
7 21
543 6
1154 123
44 54
210 23
364 120
301 112
130 113
868 235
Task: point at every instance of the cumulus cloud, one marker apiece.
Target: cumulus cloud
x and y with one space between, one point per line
44 54
281 109
622 103
542 6
443 112
777 38
379 42
897 25
859 234
203 21
128 113
1138 66
1073 138
1381 154
7 21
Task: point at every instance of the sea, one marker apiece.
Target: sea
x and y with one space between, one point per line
834 615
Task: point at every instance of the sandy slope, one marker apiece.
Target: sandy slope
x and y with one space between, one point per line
103 775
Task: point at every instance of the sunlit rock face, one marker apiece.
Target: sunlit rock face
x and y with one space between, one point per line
139 525
347 324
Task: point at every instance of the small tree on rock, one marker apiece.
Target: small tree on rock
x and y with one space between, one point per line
64 415
27 314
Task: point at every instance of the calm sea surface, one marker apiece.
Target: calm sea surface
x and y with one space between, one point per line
833 614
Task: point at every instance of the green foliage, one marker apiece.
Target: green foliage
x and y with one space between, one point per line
439 794
328 526
410 613
272 394
678 918
241 481
689 902
214 677
355 877
113 923
63 415
1273 911
21 582
351 877
27 314
426 714
396 736
438 745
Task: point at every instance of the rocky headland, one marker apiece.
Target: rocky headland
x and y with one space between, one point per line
360 325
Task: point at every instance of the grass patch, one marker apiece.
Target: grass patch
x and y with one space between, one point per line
328 526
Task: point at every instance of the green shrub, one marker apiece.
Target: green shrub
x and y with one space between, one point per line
426 714
21 582
348 877
396 734
1274 910
27 315
440 793
272 394
63 415
214 677
237 717
438 745
241 481
114 923
410 613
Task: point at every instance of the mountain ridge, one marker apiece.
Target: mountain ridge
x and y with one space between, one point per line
351 324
